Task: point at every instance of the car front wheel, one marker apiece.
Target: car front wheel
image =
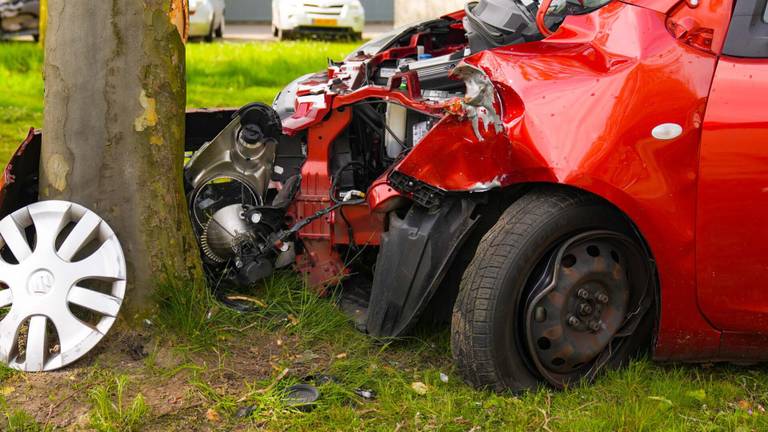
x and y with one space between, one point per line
559 289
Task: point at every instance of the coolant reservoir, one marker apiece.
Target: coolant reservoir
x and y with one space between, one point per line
396 120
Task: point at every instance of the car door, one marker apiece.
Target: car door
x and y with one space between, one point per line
732 216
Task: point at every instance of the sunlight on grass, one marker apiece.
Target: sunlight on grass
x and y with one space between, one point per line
218 75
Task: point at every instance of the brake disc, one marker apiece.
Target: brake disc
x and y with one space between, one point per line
62 282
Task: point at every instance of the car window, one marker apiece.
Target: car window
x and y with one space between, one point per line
748 31
765 13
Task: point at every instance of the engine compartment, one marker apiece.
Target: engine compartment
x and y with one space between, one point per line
312 181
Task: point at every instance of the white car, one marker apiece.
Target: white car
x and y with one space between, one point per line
292 18
206 19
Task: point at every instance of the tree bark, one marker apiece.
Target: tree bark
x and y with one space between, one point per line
115 99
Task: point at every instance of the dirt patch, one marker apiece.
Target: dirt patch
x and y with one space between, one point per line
166 376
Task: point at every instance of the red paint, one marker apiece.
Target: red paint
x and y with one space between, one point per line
602 72
732 247
540 15
320 261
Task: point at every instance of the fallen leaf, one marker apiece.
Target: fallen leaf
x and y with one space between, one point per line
420 388
293 319
744 405
7 391
341 356
279 342
212 415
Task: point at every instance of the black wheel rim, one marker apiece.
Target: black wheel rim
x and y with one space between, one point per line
589 295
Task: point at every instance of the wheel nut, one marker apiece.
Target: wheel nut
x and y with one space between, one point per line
602 298
595 326
582 293
573 321
585 309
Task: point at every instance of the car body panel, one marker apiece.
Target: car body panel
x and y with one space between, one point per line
205 16
19 18
732 232
318 15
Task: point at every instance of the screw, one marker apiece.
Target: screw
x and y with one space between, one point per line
573 321
585 309
602 298
595 326
583 293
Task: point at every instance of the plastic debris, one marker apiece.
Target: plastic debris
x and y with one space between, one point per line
365 393
302 396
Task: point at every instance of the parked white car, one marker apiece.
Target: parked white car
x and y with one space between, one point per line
292 18
206 19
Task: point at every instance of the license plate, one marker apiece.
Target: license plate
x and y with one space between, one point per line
325 22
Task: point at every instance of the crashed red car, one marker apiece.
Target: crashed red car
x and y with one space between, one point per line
568 183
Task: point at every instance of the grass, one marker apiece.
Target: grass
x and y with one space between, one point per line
112 412
219 364
228 75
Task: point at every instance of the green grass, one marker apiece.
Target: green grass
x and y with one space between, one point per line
228 75
207 339
112 412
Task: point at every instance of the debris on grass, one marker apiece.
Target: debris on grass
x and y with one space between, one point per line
420 388
444 378
365 393
245 411
302 396
212 415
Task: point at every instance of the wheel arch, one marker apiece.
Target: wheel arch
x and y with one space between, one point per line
444 299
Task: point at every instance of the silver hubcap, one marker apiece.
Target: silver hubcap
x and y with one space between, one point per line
62 281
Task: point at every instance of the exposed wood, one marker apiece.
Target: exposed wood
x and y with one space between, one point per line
114 128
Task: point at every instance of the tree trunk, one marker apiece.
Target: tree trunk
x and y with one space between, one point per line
114 131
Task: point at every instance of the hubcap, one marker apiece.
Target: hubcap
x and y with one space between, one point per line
578 306
62 281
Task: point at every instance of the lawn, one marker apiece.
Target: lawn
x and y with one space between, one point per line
197 366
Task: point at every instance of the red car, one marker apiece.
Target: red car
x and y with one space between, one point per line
571 184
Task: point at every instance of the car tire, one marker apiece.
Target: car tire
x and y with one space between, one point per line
210 36
220 29
357 36
284 35
493 329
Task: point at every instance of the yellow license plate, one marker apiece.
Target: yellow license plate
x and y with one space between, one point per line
325 22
